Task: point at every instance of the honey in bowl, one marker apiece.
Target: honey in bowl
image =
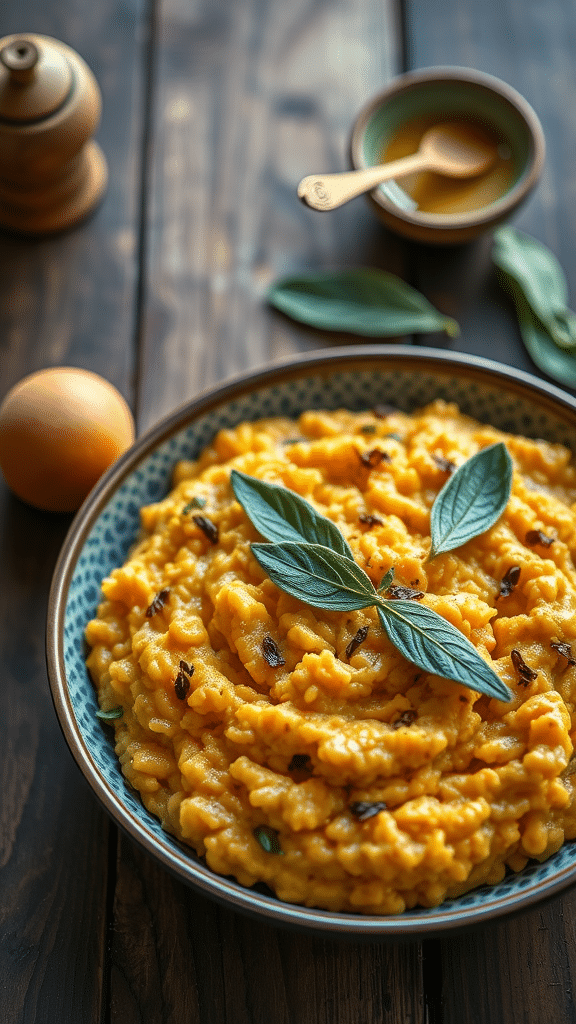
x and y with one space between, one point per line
439 194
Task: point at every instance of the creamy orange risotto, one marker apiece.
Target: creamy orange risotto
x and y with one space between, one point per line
296 746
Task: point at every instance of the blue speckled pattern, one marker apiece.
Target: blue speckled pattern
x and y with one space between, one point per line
111 534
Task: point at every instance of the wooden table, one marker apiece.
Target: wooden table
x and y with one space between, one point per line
213 110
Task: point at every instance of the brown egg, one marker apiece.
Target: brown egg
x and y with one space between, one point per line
60 429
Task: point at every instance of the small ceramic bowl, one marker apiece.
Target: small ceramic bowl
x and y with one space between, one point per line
106 525
437 95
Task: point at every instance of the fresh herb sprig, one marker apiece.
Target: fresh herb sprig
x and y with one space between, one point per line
360 300
300 560
472 499
536 282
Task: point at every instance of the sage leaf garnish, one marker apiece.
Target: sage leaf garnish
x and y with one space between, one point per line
472 499
196 502
108 716
268 838
533 277
316 575
324 578
281 515
364 300
433 644
386 581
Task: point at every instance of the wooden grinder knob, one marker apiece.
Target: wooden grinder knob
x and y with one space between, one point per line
52 173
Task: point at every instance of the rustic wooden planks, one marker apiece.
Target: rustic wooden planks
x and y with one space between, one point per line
522 970
530 47
249 98
212 112
63 300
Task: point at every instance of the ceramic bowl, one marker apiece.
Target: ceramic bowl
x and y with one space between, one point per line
105 527
440 95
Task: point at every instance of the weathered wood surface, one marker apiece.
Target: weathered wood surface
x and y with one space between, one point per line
212 112
523 970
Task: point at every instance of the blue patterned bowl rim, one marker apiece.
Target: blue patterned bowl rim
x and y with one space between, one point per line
102 530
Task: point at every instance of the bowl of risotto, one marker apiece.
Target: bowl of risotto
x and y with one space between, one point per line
312 642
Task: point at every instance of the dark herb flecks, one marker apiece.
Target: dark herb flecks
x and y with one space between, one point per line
406 718
564 649
444 464
525 673
373 458
268 838
535 537
509 581
182 681
272 653
369 520
182 685
300 763
399 593
208 528
365 809
356 641
158 603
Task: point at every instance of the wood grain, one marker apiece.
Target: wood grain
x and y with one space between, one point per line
249 98
519 43
176 955
213 111
67 299
522 970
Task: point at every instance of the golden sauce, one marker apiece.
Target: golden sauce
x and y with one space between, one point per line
435 193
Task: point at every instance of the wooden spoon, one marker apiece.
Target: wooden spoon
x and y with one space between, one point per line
455 150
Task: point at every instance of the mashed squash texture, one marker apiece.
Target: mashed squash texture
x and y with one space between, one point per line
296 746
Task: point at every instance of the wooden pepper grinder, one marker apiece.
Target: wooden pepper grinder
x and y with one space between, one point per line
52 173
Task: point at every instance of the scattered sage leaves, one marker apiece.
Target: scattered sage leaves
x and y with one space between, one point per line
108 716
281 515
325 578
316 575
268 838
536 282
433 644
362 300
472 499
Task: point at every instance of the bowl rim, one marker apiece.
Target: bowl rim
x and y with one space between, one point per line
495 211
173 855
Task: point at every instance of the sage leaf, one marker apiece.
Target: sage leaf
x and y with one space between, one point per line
532 268
386 581
363 300
316 575
109 716
472 499
558 363
281 515
433 644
